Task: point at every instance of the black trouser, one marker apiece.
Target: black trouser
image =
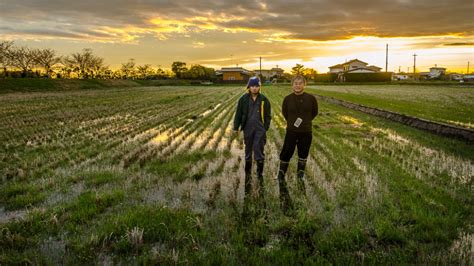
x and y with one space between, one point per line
254 140
302 140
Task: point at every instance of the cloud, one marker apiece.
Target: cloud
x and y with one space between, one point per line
318 20
460 44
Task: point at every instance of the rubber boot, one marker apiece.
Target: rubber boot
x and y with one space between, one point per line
300 174
285 200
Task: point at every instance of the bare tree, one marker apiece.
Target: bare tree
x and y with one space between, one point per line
128 69
22 58
47 59
97 66
85 63
5 47
145 71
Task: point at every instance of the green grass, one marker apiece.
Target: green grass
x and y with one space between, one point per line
446 104
154 176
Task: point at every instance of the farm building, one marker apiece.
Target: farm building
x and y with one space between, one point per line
234 74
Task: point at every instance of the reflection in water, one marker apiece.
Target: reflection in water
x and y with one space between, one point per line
350 120
160 138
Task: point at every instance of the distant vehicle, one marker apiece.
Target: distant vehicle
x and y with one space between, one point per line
468 78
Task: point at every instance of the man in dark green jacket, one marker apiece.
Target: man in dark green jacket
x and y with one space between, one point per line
253 116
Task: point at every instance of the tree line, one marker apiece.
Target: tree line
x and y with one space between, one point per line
23 62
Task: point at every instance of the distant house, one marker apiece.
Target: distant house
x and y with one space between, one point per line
269 74
354 66
336 68
436 72
265 73
234 74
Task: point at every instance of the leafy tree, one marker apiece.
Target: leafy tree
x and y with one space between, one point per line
179 68
298 69
200 72
309 73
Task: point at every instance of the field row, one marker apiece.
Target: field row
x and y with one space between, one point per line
447 104
154 175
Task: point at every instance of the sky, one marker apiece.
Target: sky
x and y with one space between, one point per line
317 34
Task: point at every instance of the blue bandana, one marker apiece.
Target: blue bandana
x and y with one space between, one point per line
253 81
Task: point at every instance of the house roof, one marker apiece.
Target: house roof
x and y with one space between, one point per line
336 66
348 62
374 67
277 69
354 60
236 69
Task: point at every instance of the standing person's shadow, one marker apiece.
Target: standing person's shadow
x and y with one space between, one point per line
286 203
255 206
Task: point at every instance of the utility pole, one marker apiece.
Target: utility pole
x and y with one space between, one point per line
414 65
467 67
260 65
399 67
386 58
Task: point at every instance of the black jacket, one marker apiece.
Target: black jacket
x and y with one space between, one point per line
304 106
241 114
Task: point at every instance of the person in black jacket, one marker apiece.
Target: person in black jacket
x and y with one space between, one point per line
253 116
299 109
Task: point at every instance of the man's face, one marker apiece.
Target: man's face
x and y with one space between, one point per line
254 89
298 86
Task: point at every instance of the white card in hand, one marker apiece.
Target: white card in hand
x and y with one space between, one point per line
298 122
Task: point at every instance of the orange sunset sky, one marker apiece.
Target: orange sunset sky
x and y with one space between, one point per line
316 34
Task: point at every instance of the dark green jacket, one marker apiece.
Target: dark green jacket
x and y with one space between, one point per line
241 113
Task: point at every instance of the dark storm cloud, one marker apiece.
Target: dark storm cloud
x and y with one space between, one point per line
308 20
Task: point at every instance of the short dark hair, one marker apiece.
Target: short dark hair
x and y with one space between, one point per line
298 77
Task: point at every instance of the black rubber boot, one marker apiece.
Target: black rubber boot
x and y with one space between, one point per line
300 174
285 200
